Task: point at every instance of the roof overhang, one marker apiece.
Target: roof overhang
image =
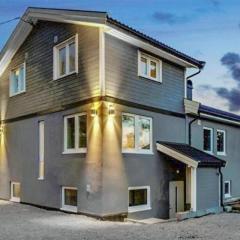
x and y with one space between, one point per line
176 155
89 18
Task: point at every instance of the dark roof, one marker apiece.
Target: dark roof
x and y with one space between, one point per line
204 159
156 43
219 113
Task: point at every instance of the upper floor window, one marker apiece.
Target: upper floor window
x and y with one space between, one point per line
136 133
149 67
208 139
66 58
221 142
75 133
18 80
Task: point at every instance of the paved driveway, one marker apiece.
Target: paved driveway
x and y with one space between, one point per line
19 221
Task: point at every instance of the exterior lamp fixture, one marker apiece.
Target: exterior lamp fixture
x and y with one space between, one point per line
93 112
111 110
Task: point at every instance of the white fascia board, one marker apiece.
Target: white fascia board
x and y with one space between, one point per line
176 155
220 119
148 47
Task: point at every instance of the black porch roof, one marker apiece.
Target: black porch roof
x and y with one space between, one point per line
202 158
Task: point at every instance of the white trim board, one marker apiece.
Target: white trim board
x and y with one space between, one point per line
176 155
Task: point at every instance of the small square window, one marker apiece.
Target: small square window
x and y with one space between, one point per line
138 198
227 189
15 191
18 80
149 67
69 199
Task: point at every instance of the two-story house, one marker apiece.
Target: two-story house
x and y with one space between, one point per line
95 119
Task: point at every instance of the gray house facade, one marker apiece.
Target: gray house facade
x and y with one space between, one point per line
95 120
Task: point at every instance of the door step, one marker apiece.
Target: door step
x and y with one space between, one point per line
149 221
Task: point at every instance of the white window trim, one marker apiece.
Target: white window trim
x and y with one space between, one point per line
158 67
41 156
136 150
227 195
211 132
14 199
76 149
56 48
143 207
11 94
68 208
223 153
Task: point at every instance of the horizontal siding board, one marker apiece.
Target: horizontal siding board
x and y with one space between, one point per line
122 80
42 92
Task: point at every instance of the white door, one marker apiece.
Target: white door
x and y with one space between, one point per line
176 198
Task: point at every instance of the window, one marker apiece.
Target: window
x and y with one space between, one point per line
221 142
149 67
66 58
138 198
75 133
227 189
208 139
69 199
41 150
136 133
18 80
15 191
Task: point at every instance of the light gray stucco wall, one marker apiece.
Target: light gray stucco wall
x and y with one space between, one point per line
207 188
231 171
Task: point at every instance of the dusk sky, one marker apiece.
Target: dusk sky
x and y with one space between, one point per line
208 30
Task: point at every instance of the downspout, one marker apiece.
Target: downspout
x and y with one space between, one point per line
221 187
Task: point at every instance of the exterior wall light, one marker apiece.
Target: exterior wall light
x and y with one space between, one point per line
93 112
111 110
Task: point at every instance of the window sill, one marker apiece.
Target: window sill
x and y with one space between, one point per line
151 79
209 152
139 208
227 196
138 152
69 209
41 178
16 94
65 75
75 151
221 153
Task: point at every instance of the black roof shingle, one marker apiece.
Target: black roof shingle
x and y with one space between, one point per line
204 159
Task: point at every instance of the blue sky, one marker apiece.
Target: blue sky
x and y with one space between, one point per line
208 30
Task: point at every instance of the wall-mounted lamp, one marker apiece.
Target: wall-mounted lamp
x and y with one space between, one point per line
111 110
93 112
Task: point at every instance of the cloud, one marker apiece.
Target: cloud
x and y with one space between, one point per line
215 3
169 18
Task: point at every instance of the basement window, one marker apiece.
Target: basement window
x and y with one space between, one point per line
18 80
69 199
15 191
149 67
75 133
65 56
138 199
227 189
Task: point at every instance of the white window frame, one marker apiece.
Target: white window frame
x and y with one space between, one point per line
14 199
11 93
66 43
223 153
227 195
41 156
68 208
149 59
136 132
76 149
211 132
143 207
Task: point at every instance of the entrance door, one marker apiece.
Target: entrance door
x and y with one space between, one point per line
176 198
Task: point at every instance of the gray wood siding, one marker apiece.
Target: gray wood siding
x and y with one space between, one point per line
122 80
42 92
